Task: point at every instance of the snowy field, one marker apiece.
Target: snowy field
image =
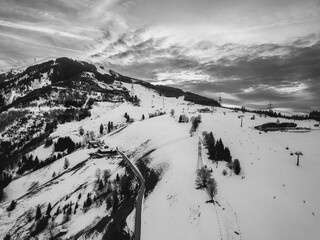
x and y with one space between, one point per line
272 198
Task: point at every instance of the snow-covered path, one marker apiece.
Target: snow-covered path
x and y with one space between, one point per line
139 200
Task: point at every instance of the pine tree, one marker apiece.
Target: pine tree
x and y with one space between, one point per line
109 126
236 166
101 129
109 202
36 163
220 150
227 155
49 208
88 202
115 202
38 213
100 186
1 193
211 145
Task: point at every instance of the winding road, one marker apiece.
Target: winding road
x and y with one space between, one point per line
139 200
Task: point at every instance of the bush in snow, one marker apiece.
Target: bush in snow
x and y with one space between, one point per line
236 166
12 206
81 131
230 165
29 214
7 237
66 163
224 172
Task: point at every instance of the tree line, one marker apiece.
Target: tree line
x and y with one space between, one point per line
218 152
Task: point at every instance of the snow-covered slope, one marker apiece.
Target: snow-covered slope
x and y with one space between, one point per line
272 198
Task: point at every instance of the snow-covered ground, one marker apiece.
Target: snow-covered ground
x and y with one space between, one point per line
272 198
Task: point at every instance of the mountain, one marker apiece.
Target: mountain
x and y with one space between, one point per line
65 90
41 79
168 91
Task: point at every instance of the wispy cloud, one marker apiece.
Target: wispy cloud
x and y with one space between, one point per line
250 50
42 30
54 27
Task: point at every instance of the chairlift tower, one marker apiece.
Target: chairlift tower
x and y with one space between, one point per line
162 102
152 101
241 117
220 100
199 163
298 155
132 90
270 106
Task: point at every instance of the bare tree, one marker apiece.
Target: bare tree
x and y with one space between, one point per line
203 175
212 188
106 175
97 174
172 112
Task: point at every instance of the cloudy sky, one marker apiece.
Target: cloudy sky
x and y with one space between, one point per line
250 52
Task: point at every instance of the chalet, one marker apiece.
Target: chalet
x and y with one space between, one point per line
95 144
96 155
107 151
183 118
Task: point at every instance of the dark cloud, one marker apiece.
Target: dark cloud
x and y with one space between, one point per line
288 75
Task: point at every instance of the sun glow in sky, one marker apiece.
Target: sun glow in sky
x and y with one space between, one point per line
250 51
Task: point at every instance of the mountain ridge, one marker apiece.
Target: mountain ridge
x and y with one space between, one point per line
64 72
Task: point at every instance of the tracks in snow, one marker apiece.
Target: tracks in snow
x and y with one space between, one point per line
227 219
